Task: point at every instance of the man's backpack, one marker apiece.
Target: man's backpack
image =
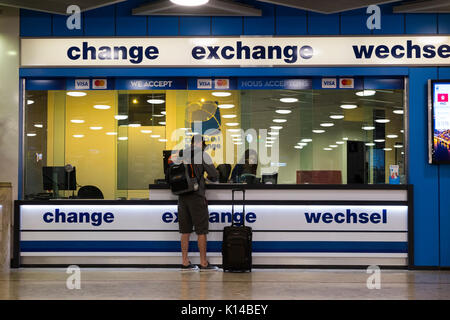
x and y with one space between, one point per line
182 179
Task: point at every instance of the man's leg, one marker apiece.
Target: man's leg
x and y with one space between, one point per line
185 248
202 249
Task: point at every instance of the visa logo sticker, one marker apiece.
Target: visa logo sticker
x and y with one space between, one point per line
204 84
99 84
222 84
329 83
346 83
82 84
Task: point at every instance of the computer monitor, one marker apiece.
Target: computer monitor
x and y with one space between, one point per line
58 176
270 178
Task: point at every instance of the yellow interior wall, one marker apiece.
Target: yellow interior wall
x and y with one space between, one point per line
94 155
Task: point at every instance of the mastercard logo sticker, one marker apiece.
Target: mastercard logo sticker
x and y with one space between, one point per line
346 83
221 84
99 84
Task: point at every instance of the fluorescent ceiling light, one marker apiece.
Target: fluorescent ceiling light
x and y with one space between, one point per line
271 138
279 120
392 136
146 131
370 144
327 124
382 120
221 94
78 135
273 133
387 149
163 112
298 147
283 111
111 133
31 134
156 101
398 146
30 102
340 142
345 138
232 124
189 3
333 146
235 135
229 116
38 125
276 127
327 149
379 140
398 111
123 138
158 115
306 140
102 107
134 125
366 93
288 100
337 116
368 128
162 140
234 130
237 143
318 131
349 106
155 136
302 144
77 121
96 128
120 117
226 106
163 123
76 93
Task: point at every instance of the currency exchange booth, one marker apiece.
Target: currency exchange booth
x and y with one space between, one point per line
321 151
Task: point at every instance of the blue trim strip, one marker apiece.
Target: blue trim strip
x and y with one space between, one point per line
212 72
213 246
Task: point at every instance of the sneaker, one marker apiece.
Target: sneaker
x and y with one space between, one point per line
209 267
189 267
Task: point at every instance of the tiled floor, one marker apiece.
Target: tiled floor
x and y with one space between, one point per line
170 284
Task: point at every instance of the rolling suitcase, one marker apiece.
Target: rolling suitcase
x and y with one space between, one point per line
237 243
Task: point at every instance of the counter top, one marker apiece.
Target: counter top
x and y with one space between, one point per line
296 186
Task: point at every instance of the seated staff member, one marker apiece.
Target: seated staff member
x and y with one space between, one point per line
247 165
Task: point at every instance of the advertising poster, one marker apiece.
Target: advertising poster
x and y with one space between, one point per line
441 118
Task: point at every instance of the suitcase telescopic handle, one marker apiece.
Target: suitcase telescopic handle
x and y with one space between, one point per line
232 206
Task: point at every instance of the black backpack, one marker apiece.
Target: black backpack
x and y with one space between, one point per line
182 178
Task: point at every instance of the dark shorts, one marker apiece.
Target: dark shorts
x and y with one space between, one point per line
193 213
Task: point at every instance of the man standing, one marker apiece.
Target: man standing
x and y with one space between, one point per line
193 207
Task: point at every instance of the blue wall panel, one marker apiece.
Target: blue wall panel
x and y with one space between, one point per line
226 26
444 23
35 24
264 25
421 23
163 26
421 174
354 22
444 199
59 27
100 22
195 26
128 25
323 24
290 21
391 23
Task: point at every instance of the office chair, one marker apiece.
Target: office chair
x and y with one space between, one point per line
90 192
224 172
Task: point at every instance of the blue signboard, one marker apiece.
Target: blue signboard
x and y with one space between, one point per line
274 84
151 84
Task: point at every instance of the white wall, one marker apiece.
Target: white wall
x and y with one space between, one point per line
9 96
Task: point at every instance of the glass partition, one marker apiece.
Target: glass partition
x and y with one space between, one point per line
118 141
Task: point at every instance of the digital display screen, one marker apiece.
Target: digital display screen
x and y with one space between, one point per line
440 100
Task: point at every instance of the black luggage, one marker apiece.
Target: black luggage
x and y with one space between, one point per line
237 243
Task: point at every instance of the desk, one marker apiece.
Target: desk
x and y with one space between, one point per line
294 225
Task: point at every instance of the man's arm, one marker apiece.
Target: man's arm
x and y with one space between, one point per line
211 171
